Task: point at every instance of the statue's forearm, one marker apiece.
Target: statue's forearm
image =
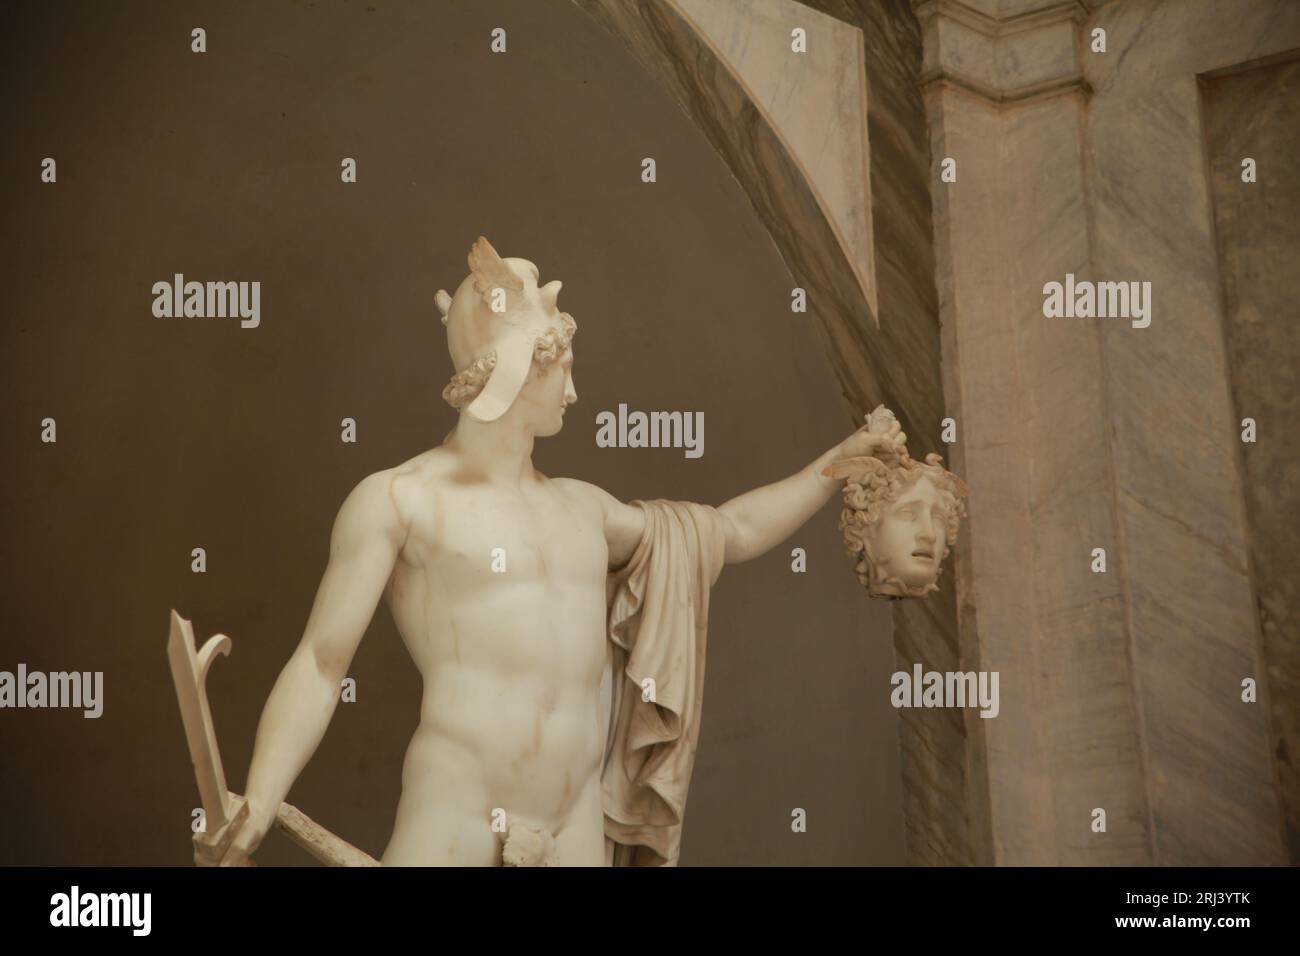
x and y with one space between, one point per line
759 520
292 725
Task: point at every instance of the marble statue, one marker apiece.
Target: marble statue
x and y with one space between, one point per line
560 632
901 516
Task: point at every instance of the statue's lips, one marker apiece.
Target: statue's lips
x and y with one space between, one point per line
922 553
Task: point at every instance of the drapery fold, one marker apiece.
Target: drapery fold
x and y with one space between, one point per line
658 628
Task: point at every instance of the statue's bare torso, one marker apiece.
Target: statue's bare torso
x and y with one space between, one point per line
511 716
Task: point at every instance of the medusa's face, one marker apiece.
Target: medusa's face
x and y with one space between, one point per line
911 537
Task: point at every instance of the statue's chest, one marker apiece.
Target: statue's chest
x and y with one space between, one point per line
479 537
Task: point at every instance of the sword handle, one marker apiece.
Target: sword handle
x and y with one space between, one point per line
330 848
210 847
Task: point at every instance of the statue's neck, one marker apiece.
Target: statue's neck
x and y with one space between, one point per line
498 452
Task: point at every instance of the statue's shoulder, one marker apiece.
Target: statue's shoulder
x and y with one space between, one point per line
394 493
623 524
584 492
369 509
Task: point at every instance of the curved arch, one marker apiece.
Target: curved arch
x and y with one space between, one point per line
873 361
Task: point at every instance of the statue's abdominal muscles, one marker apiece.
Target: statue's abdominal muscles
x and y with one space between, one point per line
501 603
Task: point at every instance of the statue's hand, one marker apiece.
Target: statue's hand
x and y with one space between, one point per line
865 443
234 843
881 437
882 419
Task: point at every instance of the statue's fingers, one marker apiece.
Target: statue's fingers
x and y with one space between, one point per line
847 467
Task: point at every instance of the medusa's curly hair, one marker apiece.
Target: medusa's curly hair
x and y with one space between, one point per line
466 384
878 482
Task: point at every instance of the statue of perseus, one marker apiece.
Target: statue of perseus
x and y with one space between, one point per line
560 632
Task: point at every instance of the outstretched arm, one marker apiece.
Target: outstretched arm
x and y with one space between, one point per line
759 520
756 521
368 534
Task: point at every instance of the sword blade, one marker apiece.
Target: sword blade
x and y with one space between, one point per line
188 675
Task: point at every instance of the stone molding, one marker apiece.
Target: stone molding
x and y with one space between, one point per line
1025 56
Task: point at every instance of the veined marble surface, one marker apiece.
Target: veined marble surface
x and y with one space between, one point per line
816 99
1029 398
1121 690
1256 114
1175 436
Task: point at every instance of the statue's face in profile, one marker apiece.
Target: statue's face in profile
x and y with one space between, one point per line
910 539
548 391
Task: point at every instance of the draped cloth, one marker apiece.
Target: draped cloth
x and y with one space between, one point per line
658 626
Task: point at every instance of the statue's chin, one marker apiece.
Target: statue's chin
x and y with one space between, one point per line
553 429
